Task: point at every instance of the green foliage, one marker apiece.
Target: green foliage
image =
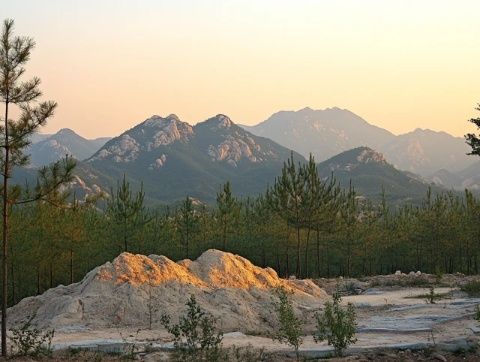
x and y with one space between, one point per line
195 336
337 325
242 354
472 288
126 211
289 329
472 139
431 296
228 211
187 224
15 138
29 341
477 313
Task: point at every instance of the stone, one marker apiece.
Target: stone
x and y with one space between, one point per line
439 357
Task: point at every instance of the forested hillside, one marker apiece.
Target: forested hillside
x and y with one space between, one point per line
303 225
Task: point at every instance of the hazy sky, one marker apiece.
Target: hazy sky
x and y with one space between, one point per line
110 64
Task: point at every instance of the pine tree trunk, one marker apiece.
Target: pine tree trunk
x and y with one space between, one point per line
306 253
71 265
38 280
298 269
224 236
287 269
5 235
12 283
51 275
318 252
125 244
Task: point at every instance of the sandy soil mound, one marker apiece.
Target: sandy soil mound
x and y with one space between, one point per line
132 288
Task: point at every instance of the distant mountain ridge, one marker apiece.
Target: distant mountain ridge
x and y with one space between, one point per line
324 133
173 158
370 173
46 149
328 132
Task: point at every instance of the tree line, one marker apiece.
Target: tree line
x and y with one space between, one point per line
302 226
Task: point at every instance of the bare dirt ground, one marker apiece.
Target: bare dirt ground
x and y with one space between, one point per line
107 312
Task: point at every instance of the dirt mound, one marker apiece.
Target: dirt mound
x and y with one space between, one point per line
133 288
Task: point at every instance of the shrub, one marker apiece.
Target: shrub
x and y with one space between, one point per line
337 325
350 288
472 288
290 327
243 354
431 296
29 341
195 336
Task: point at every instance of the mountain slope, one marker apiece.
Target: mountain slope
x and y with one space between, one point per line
328 132
65 142
369 172
468 178
324 133
174 159
425 151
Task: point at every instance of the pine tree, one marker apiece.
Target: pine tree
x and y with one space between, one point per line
228 209
287 198
15 137
187 224
472 139
127 211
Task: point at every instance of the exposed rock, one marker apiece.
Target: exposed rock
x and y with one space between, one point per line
122 293
147 136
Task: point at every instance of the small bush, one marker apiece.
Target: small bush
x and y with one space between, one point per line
289 329
472 288
350 288
195 336
243 354
431 296
477 313
29 341
129 348
337 325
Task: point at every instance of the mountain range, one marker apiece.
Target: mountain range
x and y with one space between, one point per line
326 133
173 159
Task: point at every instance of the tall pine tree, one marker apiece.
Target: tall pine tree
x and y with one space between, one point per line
21 97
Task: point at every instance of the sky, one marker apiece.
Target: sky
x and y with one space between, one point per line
110 64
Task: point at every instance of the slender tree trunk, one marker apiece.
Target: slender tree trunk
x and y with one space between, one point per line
287 269
12 282
224 236
298 269
125 243
5 235
318 252
71 265
51 275
187 241
264 256
38 280
306 253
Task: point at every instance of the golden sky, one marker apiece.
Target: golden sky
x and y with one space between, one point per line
400 64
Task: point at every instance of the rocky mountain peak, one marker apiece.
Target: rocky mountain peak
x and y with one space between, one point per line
367 155
66 132
220 121
148 136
